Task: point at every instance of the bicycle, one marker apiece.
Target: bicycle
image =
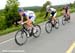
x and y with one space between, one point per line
65 19
21 35
51 24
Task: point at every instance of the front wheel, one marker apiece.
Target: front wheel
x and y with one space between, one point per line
63 21
21 37
48 27
36 31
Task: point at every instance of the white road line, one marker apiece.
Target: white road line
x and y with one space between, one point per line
17 51
6 41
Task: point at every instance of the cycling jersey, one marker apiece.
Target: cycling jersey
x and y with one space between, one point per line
52 11
30 14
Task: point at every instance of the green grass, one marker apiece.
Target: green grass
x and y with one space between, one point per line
8 30
39 19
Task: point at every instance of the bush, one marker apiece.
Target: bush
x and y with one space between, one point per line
2 23
11 13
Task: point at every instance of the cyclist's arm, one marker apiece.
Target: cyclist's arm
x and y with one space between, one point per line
46 14
27 17
21 21
21 18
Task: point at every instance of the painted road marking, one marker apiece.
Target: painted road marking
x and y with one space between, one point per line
71 48
6 41
17 51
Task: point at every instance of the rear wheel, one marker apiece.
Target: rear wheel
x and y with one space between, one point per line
36 31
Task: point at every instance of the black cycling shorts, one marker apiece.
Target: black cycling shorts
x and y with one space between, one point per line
53 13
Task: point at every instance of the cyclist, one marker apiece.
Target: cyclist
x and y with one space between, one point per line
66 11
27 17
52 12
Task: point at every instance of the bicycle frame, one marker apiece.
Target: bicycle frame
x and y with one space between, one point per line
50 20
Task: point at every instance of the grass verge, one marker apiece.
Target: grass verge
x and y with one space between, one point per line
38 20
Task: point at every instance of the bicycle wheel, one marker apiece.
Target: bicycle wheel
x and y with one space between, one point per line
68 19
48 27
20 37
37 31
57 24
63 21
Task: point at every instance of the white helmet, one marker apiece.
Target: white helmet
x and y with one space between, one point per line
48 6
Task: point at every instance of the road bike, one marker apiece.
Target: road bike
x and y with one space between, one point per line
23 34
65 19
51 24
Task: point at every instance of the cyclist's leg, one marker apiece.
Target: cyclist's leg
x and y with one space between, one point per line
28 24
65 14
52 14
68 14
54 17
50 18
33 19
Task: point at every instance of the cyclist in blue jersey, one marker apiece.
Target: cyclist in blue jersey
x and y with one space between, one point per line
27 17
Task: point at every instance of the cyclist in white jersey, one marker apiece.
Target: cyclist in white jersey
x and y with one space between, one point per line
52 12
28 16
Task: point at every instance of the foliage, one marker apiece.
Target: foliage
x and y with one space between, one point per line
11 12
44 5
33 8
2 22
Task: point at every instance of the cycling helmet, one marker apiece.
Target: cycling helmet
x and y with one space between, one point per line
48 6
20 10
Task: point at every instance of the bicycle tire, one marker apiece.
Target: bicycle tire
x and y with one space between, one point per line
63 21
39 32
50 27
18 43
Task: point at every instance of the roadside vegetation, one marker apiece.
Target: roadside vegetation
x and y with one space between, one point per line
9 15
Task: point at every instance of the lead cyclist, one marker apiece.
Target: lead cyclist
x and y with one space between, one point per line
27 17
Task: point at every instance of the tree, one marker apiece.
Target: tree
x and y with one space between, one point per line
71 5
11 11
44 5
2 22
74 4
43 9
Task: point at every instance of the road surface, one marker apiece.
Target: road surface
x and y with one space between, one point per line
58 41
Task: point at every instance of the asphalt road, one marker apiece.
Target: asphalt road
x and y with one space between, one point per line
58 41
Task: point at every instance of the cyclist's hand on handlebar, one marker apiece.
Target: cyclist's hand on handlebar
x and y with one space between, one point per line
20 22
